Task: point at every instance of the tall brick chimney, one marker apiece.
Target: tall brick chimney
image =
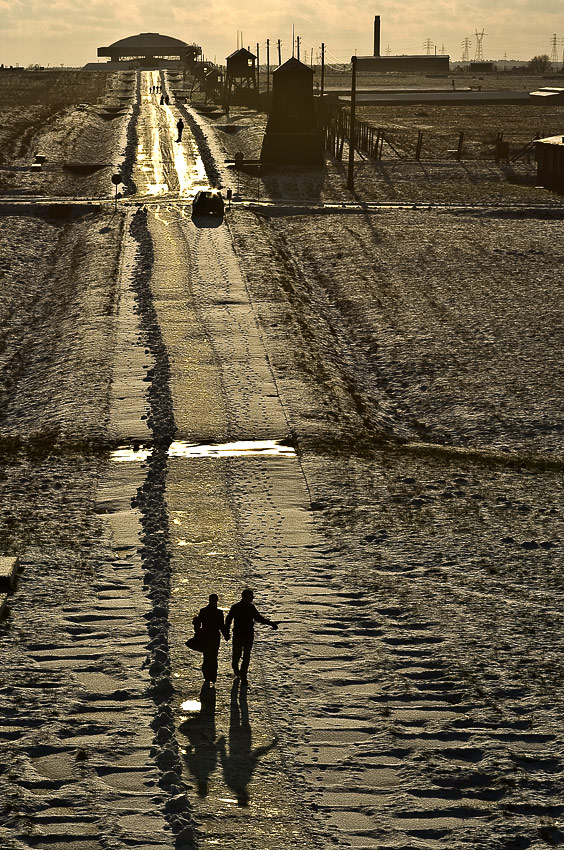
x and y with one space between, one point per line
376 35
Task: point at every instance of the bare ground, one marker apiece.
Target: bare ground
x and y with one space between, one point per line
417 357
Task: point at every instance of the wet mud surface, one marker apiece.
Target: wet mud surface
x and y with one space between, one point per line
407 534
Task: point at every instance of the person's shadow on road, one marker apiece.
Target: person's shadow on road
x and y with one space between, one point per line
241 761
201 754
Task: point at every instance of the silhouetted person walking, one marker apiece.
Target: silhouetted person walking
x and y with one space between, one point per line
210 625
180 128
244 615
162 100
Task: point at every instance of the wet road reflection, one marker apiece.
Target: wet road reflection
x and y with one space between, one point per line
164 166
242 448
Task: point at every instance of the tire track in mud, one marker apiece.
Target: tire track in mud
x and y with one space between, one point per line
75 768
156 548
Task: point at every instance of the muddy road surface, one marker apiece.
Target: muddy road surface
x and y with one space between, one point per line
356 415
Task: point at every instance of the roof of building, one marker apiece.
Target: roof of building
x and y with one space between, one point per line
552 140
549 93
428 57
144 43
242 53
293 66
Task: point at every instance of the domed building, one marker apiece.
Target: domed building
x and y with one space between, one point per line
149 51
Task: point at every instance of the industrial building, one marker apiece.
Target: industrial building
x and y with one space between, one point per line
378 64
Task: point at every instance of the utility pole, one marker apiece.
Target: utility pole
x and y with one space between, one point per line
293 42
322 69
298 47
267 65
258 68
352 130
279 53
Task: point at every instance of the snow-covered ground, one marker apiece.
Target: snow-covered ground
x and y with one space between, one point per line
410 548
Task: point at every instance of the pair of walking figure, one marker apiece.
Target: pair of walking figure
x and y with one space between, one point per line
210 624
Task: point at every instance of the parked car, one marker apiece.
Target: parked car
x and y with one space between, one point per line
208 202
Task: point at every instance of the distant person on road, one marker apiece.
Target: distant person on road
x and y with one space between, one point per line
167 99
244 615
162 100
209 625
180 128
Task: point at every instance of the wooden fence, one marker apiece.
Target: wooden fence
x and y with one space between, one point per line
336 125
371 142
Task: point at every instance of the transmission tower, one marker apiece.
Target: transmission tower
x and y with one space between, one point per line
428 45
387 51
466 50
479 57
442 50
554 51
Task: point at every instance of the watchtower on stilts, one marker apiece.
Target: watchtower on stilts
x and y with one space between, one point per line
241 78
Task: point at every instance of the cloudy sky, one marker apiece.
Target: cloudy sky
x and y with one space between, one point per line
69 31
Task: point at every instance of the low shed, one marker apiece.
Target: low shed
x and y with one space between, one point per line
550 163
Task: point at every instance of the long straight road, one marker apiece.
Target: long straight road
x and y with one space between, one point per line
238 513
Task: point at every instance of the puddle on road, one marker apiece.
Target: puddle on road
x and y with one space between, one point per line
242 448
127 454
191 705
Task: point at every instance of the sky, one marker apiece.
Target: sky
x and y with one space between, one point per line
69 32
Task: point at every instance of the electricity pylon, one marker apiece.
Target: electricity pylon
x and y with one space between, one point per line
554 51
428 45
466 50
479 57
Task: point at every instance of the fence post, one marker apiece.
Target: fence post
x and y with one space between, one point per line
459 146
419 145
352 128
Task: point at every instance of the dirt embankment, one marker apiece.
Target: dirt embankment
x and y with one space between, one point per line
58 301
76 120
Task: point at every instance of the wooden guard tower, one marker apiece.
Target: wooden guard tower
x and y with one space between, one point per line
241 78
292 136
